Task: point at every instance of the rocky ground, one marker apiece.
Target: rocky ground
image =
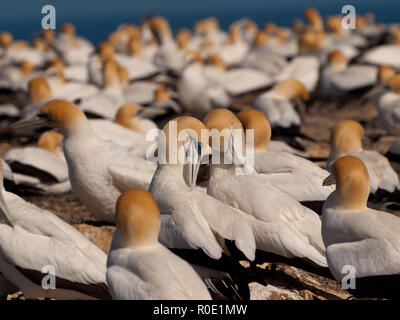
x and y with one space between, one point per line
284 282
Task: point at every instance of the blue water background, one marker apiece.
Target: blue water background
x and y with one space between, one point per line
96 19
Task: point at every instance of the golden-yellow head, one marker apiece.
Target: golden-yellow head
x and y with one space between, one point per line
137 218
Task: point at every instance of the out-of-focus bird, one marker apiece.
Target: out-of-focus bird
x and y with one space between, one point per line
347 139
277 104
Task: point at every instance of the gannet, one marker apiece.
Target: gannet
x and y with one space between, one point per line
300 178
197 93
277 105
139 267
42 168
359 239
346 139
33 239
339 78
98 170
237 81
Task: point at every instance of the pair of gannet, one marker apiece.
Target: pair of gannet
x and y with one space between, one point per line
198 94
282 225
339 78
35 243
40 169
237 81
98 170
191 219
139 267
346 139
360 242
277 105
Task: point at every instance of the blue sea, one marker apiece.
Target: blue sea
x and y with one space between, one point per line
96 19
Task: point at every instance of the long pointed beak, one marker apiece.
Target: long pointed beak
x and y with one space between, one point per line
33 121
236 158
149 112
4 210
193 159
329 180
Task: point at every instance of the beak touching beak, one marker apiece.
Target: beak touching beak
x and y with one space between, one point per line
329 180
28 122
192 162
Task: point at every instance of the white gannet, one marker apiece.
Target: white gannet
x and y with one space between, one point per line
40 169
386 54
304 68
39 92
191 219
21 50
236 81
286 227
61 88
140 92
388 105
138 266
198 94
98 170
168 57
33 239
233 51
127 129
299 177
105 51
73 49
339 78
359 237
17 75
260 58
106 102
346 139
137 65
163 101
277 105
